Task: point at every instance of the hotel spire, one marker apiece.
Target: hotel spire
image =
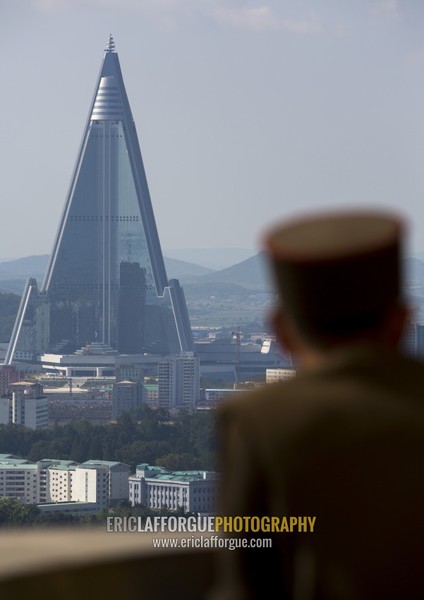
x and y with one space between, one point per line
110 44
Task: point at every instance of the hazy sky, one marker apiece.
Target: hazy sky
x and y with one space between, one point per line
246 111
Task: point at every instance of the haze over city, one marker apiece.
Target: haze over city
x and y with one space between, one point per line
246 111
125 374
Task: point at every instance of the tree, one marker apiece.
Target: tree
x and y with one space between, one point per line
12 512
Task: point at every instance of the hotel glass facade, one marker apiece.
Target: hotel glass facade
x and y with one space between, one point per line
106 281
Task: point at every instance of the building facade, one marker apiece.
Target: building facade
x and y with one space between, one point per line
25 405
179 380
215 395
126 396
19 479
190 491
130 372
117 478
93 484
274 375
106 282
8 375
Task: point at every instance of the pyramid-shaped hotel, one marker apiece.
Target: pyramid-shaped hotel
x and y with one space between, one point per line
105 290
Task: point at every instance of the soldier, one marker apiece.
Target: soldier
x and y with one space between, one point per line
341 444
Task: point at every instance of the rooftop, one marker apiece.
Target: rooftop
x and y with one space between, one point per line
17 465
59 467
162 474
101 463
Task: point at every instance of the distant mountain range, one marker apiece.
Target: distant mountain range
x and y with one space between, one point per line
29 266
251 274
212 258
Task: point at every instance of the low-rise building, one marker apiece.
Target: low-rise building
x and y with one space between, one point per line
44 494
157 488
18 479
70 508
97 484
73 483
215 395
117 475
274 375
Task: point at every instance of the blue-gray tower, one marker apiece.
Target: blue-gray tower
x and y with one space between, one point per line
106 281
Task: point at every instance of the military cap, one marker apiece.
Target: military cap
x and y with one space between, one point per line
336 272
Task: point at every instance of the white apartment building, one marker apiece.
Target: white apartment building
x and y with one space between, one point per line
91 485
59 482
179 380
156 488
97 484
26 406
18 479
70 483
44 493
117 474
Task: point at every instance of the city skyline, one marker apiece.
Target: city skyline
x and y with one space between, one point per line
247 111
